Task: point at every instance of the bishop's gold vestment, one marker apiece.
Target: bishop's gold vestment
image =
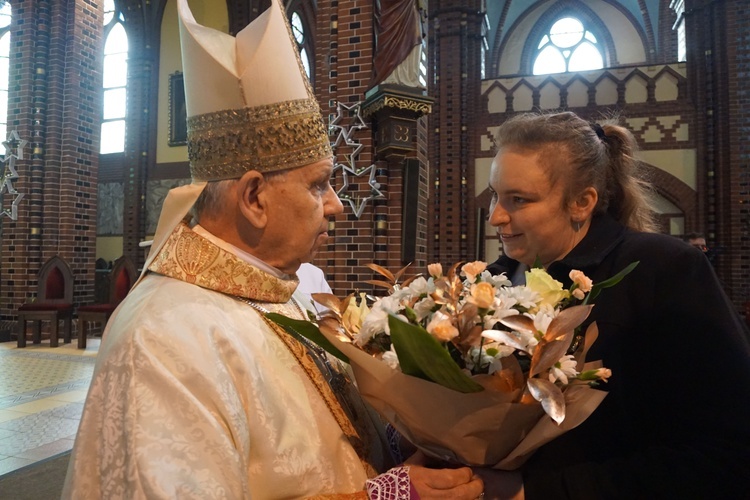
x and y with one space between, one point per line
195 395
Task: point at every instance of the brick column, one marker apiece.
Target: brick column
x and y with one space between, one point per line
344 51
54 103
455 36
718 52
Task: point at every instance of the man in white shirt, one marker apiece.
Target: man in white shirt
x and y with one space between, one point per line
312 280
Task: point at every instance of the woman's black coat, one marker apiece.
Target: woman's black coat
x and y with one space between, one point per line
676 421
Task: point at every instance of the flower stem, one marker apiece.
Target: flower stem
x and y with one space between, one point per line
479 355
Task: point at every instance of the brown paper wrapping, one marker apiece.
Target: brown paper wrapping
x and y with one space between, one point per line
479 429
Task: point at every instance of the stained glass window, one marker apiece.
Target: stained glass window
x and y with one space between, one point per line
567 46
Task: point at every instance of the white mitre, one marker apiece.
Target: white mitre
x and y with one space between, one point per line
249 106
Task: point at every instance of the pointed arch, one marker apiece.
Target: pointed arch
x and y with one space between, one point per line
498 41
5 22
115 80
636 87
518 90
578 79
548 94
675 191
489 92
681 80
607 90
301 15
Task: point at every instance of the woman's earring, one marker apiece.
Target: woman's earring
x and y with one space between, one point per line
578 226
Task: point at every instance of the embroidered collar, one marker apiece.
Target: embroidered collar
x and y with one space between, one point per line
189 257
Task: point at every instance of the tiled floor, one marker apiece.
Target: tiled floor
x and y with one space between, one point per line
42 390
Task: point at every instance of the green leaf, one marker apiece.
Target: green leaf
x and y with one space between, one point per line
410 314
421 355
598 287
300 328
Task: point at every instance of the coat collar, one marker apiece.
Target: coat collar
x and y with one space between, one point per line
604 234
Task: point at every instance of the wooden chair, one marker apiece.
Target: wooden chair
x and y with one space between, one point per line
121 279
54 302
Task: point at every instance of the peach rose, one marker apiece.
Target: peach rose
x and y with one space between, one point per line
435 270
584 282
441 328
472 269
483 295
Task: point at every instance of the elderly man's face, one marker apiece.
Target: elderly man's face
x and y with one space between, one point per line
300 204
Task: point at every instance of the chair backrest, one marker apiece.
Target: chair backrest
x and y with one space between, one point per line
55 282
122 277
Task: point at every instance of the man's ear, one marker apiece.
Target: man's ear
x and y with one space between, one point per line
583 205
251 198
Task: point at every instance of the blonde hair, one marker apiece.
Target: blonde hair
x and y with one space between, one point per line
586 154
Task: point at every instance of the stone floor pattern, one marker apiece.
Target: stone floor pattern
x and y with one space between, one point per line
42 390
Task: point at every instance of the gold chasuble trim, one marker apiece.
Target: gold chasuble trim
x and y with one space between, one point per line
300 352
189 257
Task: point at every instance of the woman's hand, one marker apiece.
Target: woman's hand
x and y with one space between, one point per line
500 484
445 483
431 479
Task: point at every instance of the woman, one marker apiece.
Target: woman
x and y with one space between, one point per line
567 194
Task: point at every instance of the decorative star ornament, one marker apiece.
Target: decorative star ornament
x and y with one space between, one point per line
345 138
10 168
10 173
345 133
13 212
14 142
358 204
354 112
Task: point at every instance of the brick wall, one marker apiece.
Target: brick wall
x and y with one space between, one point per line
736 236
343 71
718 47
54 103
666 50
454 47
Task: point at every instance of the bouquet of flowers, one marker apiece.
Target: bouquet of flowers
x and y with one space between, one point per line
465 366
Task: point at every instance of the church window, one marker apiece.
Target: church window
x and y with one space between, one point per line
298 30
567 46
115 77
5 18
678 6
423 64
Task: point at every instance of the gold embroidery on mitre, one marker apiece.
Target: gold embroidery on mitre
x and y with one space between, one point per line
226 144
216 269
